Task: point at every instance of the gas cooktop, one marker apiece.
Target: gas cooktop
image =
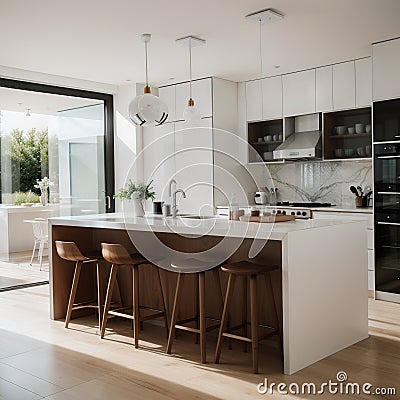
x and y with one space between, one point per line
305 205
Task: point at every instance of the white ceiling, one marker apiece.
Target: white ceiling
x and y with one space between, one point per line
98 40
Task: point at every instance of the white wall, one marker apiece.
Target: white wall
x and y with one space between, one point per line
128 139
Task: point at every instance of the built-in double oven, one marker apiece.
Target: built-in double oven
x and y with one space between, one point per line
387 196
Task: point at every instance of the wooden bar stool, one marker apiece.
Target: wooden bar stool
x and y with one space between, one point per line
199 295
250 271
69 251
117 255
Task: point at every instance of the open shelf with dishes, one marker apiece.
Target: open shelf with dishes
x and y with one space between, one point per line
348 134
264 137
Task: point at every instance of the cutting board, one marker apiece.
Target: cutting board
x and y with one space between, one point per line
269 218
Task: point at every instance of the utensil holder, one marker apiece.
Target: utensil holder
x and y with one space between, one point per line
361 201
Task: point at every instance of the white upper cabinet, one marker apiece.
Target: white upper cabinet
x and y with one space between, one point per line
195 167
202 96
167 95
272 97
299 93
158 157
344 86
324 89
386 70
363 82
254 101
182 97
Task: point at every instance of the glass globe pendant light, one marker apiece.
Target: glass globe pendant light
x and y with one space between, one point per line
147 109
191 114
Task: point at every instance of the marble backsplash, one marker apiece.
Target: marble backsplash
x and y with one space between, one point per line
320 181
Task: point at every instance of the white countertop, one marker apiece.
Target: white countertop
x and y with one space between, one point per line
336 208
11 209
194 227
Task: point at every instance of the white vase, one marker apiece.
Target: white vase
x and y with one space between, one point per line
44 198
137 207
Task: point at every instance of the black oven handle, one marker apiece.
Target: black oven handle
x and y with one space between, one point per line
395 193
386 157
389 223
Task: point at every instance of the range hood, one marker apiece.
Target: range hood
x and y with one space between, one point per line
300 145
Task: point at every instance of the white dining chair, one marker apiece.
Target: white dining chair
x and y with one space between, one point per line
40 232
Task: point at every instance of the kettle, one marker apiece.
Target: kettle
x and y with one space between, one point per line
261 198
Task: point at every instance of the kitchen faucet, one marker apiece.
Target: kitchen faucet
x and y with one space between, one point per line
171 182
173 195
174 207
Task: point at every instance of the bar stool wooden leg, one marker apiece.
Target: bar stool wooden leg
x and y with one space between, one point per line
244 312
202 303
99 294
228 298
111 282
196 306
178 294
161 291
253 313
136 316
71 301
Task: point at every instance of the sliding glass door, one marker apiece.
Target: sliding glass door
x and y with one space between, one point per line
62 136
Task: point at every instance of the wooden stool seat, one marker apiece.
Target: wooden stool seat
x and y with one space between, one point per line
184 268
249 272
247 268
69 251
117 255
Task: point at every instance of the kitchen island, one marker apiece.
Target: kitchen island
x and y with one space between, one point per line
320 287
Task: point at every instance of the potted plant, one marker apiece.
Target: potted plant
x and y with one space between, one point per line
137 193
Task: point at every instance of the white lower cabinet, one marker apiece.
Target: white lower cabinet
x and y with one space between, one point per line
370 236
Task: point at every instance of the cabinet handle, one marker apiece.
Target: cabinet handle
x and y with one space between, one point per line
389 223
386 157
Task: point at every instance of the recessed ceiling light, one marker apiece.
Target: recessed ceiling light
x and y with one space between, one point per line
277 66
171 79
128 80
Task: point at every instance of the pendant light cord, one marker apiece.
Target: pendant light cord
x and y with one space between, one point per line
190 66
147 73
261 62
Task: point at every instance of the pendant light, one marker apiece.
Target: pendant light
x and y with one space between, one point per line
263 17
147 109
191 114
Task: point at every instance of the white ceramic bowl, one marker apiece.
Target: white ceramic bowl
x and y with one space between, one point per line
268 138
341 130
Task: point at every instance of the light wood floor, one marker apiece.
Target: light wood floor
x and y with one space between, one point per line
41 359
